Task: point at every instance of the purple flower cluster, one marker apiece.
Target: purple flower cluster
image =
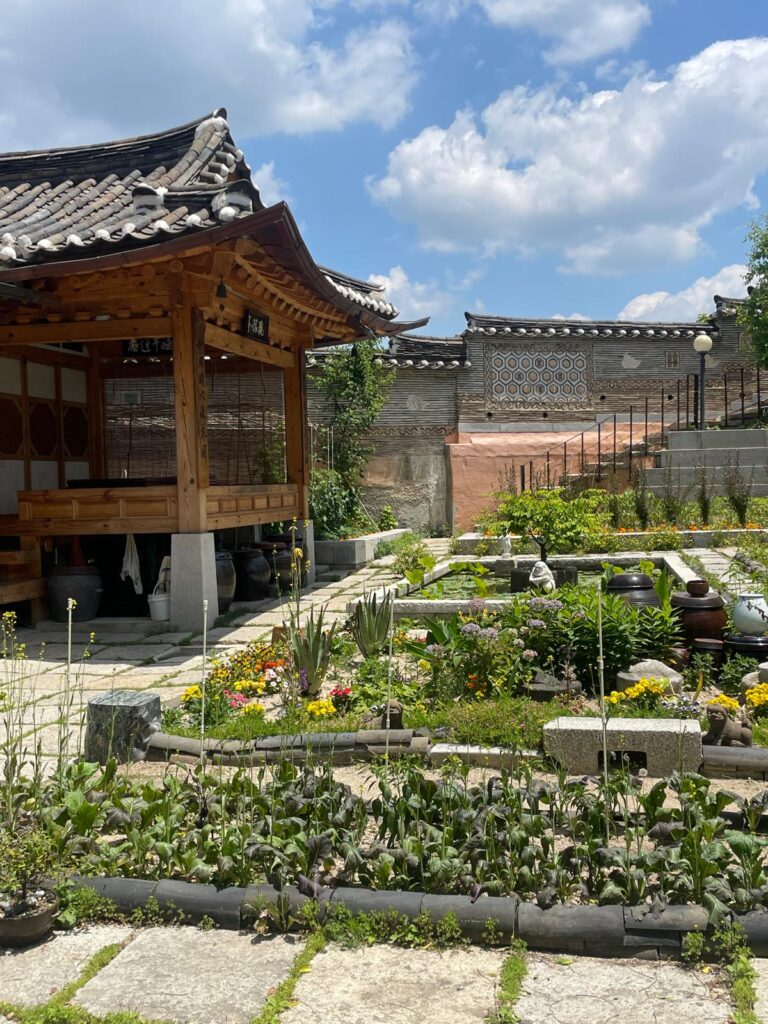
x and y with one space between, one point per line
470 629
545 604
436 650
529 655
475 606
489 633
536 623
303 681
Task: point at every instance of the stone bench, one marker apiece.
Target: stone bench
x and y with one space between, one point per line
667 744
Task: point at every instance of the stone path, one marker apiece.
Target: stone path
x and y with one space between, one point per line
720 564
188 975
133 654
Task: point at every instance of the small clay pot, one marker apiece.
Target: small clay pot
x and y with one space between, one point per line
29 928
697 588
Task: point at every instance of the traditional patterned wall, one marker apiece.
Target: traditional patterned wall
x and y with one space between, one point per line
538 376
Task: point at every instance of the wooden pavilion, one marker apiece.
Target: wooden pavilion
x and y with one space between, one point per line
150 266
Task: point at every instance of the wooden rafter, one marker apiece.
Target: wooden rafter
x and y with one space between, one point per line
85 331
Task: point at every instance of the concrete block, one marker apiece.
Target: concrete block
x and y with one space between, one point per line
354 552
667 743
193 580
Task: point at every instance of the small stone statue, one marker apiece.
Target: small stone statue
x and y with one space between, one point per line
542 577
378 720
724 732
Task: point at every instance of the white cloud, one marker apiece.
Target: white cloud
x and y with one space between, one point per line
138 66
611 179
414 299
687 304
582 29
272 189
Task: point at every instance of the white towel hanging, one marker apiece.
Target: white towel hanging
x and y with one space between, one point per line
131 568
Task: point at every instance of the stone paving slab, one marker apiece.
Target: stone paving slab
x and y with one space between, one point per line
34 975
385 985
133 652
191 976
761 987
586 990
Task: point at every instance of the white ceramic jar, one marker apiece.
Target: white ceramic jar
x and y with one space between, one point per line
750 614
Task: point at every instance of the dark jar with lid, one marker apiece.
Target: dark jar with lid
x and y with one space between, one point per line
636 588
701 611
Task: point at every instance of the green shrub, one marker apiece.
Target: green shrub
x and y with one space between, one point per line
332 503
554 523
387 518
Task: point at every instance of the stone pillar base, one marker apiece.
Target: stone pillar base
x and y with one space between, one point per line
193 580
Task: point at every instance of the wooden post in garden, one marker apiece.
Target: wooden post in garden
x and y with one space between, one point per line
725 398
191 406
294 387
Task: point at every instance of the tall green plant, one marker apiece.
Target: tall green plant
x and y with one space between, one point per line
370 623
310 647
551 521
355 387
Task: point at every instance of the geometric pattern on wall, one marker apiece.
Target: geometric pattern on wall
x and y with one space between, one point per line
535 376
11 426
75 432
43 429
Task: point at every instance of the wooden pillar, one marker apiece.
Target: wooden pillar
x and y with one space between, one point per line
190 400
96 423
296 453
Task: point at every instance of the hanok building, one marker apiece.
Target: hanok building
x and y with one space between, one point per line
511 398
154 316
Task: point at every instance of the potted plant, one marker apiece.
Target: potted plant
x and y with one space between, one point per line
28 909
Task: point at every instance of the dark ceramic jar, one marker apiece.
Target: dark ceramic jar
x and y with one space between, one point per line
636 588
701 611
253 574
226 580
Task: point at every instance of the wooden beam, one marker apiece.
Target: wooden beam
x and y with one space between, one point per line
96 421
190 398
86 331
296 455
238 345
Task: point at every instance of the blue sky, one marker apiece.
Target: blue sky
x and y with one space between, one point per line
523 157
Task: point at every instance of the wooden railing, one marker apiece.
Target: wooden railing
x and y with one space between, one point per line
84 511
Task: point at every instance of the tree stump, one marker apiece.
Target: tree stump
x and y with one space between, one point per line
119 725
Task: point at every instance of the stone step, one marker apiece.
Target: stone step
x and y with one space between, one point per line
692 457
730 438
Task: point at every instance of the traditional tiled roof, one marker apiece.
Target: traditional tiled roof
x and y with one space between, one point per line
506 326
423 352
64 205
728 306
418 352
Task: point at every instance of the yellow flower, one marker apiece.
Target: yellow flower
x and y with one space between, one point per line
321 708
253 708
723 701
757 696
192 693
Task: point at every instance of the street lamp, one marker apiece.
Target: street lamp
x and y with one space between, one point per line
702 344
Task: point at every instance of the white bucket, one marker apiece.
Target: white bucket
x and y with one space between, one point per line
159 607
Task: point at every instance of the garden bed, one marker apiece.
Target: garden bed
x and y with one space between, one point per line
481 544
354 552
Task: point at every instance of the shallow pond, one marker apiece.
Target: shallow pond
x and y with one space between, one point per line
462 586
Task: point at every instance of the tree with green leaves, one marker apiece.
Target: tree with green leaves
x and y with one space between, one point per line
753 315
355 386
